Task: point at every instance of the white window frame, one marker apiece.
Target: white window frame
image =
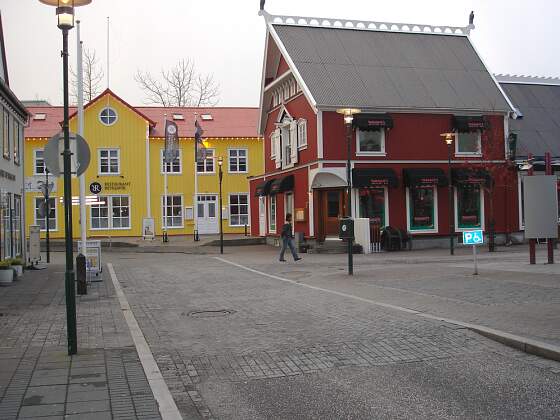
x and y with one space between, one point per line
302 134
109 205
163 213
271 227
213 159
116 116
371 153
36 220
99 158
237 160
479 145
230 213
456 204
35 159
163 165
436 208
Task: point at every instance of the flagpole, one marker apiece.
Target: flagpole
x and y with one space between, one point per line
82 177
165 192
195 201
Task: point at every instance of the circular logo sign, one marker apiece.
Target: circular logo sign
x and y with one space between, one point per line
171 129
95 187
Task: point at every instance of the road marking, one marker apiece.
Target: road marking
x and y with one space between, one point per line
167 407
524 344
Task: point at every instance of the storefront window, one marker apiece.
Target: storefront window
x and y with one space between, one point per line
372 204
100 214
17 226
422 208
40 210
120 207
6 202
173 211
468 206
238 209
272 214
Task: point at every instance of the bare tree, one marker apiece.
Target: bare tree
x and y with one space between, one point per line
93 76
181 85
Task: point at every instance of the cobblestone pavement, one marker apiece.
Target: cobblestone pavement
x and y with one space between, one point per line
37 377
239 345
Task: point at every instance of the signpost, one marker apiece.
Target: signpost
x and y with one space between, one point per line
474 238
80 154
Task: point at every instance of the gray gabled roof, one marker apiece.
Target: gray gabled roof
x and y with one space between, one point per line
391 70
539 129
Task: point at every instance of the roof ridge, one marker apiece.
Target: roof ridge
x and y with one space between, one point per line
514 78
417 28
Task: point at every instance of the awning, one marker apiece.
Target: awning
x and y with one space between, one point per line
424 177
471 176
263 188
373 177
464 124
282 184
372 121
328 177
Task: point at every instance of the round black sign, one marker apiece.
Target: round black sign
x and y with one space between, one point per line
95 187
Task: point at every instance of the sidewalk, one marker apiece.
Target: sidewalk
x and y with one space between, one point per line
105 380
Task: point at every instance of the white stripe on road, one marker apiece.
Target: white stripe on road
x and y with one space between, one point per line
167 407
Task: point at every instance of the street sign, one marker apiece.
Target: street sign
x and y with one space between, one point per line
38 184
80 154
95 187
473 237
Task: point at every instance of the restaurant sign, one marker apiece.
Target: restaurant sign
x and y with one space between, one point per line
116 185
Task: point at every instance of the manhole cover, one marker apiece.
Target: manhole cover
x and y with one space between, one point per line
210 313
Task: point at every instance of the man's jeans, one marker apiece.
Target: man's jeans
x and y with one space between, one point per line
288 242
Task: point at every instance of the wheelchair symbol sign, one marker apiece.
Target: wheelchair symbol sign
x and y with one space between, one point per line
473 237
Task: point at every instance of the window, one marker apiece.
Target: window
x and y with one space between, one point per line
40 117
6 139
109 162
206 117
178 117
173 167
302 134
18 134
468 205
467 143
372 205
238 160
272 214
38 162
421 203
108 116
6 219
274 140
40 213
371 141
113 212
206 165
238 209
17 226
172 210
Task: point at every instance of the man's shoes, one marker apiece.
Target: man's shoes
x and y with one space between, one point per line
282 260
297 259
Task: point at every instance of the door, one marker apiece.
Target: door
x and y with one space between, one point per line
207 214
262 216
332 210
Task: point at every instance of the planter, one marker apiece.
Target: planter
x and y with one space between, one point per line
6 276
18 269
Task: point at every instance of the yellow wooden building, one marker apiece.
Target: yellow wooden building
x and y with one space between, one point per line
126 145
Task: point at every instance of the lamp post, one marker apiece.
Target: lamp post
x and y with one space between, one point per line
348 118
65 14
220 177
48 210
448 137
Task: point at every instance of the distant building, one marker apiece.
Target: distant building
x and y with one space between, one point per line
35 102
13 117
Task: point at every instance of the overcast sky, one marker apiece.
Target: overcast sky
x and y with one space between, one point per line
226 38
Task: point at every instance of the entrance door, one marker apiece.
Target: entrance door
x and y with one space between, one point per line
207 217
262 216
332 209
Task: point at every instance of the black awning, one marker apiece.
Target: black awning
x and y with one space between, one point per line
373 177
465 176
282 184
263 188
372 121
464 124
424 177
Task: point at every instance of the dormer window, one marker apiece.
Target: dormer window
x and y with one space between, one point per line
40 117
178 117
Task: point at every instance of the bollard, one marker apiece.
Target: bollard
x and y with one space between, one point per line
245 229
81 274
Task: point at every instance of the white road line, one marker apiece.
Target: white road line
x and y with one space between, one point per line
167 407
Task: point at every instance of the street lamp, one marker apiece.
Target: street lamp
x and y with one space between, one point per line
220 177
448 137
65 14
348 118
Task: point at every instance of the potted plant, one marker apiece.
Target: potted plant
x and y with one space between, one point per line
6 272
17 265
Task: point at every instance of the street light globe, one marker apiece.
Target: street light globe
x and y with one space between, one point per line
71 3
348 113
448 137
220 161
65 10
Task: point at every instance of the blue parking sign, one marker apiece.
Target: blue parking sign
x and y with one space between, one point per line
473 237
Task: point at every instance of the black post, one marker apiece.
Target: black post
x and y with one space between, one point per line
48 210
450 187
69 273
81 273
220 176
349 195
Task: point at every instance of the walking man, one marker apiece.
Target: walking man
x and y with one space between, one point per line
288 239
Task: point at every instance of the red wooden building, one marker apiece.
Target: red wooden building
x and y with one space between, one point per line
412 83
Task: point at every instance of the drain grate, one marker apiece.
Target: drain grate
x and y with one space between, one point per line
210 313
